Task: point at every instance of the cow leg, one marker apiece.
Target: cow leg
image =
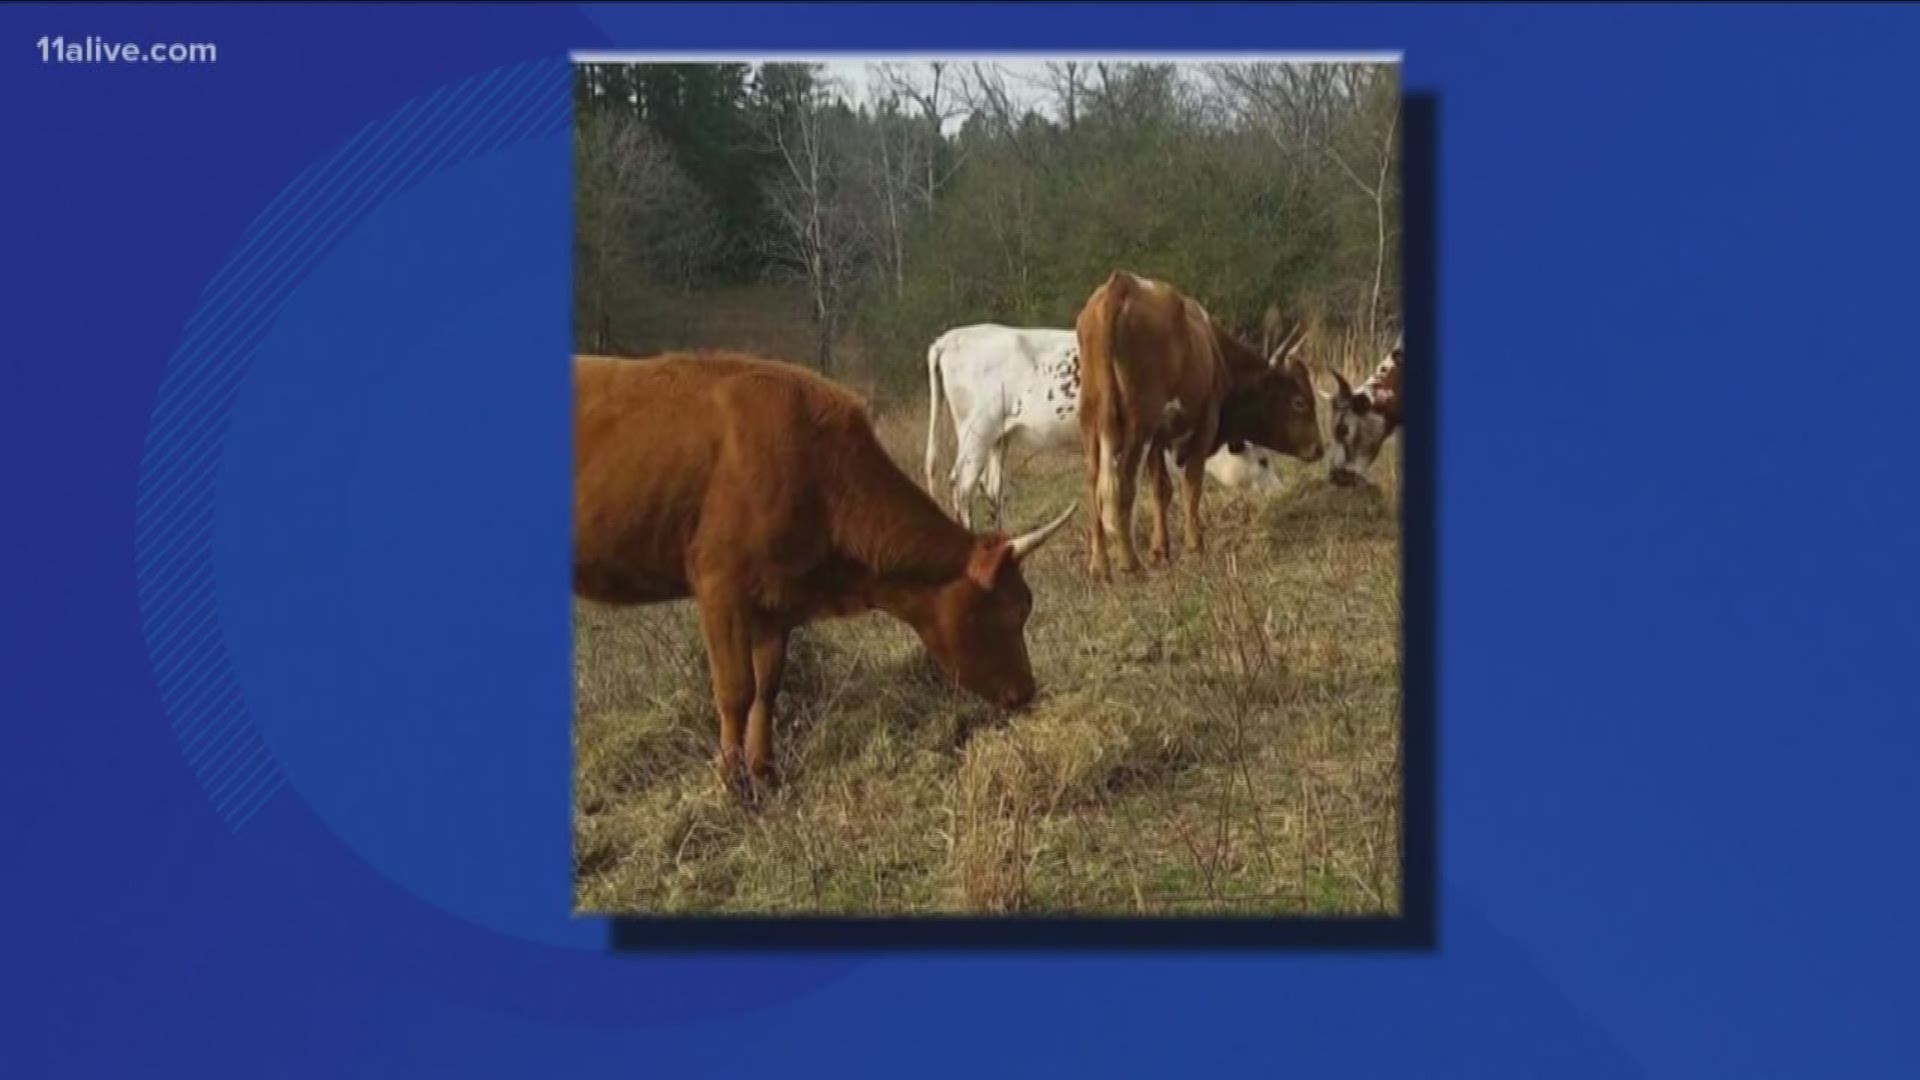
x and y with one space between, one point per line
1126 467
769 663
1097 565
996 479
723 621
1159 548
966 476
1192 474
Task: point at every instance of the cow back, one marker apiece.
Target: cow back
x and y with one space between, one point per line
1150 346
675 452
695 469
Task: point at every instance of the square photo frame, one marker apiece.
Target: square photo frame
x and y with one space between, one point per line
842 323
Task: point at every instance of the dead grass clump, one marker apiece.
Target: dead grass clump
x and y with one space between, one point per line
993 815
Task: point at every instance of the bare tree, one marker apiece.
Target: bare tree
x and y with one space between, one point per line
636 216
1067 83
892 159
1348 114
1143 92
989 98
933 89
821 236
989 93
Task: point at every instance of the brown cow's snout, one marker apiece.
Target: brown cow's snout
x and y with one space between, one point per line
1017 698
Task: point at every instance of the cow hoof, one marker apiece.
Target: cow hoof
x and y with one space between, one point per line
759 791
734 777
750 791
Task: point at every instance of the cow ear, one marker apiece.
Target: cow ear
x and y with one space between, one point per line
1341 392
1236 446
990 556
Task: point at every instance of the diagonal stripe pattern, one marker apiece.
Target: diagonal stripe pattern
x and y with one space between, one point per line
173 550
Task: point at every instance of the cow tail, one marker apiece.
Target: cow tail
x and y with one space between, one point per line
1118 287
1113 426
933 407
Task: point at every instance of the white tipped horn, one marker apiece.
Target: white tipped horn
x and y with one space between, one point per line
1025 544
1299 342
1288 347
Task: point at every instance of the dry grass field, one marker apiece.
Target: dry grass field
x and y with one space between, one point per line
1221 737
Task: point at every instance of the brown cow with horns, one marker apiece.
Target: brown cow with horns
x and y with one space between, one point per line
758 489
1159 375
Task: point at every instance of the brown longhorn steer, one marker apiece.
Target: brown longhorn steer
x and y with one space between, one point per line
758 490
1159 375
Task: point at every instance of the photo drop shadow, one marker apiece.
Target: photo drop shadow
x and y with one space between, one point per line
1414 929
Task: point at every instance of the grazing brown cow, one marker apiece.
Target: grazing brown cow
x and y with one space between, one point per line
1364 418
1159 375
758 489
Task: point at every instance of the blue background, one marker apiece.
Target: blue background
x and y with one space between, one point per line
283 456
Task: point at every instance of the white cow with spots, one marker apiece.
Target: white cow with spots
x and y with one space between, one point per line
1005 386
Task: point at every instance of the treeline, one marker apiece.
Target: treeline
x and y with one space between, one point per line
946 193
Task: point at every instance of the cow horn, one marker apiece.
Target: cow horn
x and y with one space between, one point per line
1288 347
1023 545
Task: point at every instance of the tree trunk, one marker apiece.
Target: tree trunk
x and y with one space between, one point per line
823 351
899 255
822 321
891 190
933 156
1379 260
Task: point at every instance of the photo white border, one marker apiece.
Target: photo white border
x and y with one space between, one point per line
642 56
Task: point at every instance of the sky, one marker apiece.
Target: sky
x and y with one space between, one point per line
1026 80
860 79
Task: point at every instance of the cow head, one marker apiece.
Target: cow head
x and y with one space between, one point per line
1277 408
1359 429
976 630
